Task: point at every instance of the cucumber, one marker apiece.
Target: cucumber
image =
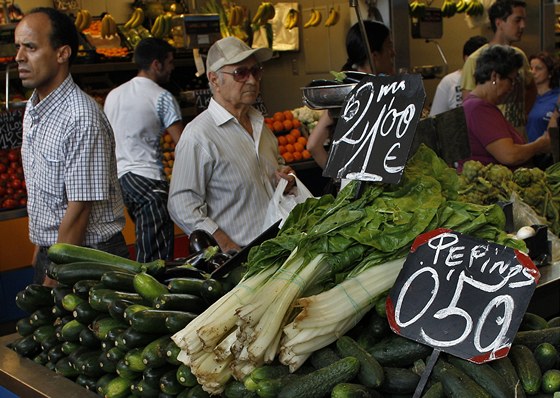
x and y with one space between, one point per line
117 307
84 313
169 384
551 381
554 322
130 339
457 383
148 287
546 355
64 368
506 369
171 352
102 382
125 372
106 363
118 280
323 357
381 304
150 321
42 332
83 286
180 302
42 316
532 321
434 391
151 376
185 377
399 380
371 373
99 299
90 365
56 353
131 309
68 347
154 354
375 328
111 337
88 339
143 389
71 331
59 311
398 351
88 382
185 286
352 390
24 327
70 273
133 360
119 387
38 294
41 358
197 392
26 346
211 290
236 389
115 354
320 382
526 367
101 326
532 338
485 375
177 321
71 301
62 253
58 293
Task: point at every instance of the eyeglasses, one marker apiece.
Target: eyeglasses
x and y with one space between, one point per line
242 74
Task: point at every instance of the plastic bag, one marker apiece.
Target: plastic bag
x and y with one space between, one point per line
524 215
281 205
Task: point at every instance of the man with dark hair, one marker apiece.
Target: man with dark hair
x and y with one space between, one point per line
507 19
68 146
140 111
448 93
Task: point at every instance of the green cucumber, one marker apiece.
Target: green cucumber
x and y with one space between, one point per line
58 311
111 337
43 332
55 353
211 290
119 387
71 301
41 358
84 313
64 368
24 327
130 339
126 372
434 391
71 331
237 389
551 381
118 280
131 309
106 363
102 383
177 321
320 382
532 338
526 367
485 375
133 359
531 321
62 253
554 322
198 392
506 369
151 376
371 372
68 347
58 293
457 383
185 285
38 295
323 357
101 326
117 307
148 287
151 321
89 364
88 339
171 352
42 316
169 384
99 299
144 389
71 273
399 380
83 286
115 354
185 377
546 355
88 382
352 390
397 351
179 301
154 354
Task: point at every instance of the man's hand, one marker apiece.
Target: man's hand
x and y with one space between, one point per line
225 242
287 173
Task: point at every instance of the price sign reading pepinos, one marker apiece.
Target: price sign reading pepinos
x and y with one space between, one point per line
462 295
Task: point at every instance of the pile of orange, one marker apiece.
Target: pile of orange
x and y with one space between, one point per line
291 142
168 152
113 52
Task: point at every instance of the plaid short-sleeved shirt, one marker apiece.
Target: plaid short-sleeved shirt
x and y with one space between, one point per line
68 153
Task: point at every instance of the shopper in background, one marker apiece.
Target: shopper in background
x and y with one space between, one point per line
383 54
448 93
68 146
507 19
492 138
140 111
227 161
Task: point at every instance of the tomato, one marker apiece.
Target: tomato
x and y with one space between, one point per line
4 177
9 203
3 168
13 155
2 191
23 202
16 183
13 166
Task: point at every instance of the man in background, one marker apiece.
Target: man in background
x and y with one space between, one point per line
507 20
448 93
140 111
68 149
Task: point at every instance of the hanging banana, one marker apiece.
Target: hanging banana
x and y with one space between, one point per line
291 19
417 8
461 6
136 19
333 17
475 8
265 12
158 27
83 20
108 26
449 8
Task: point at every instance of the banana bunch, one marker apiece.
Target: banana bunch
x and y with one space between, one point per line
108 26
291 19
332 19
264 13
314 19
136 19
235 16
461 6
449 8
474 9
161 26
83 20
417 8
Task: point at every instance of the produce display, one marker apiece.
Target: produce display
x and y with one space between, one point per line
304 317
12 184
168 154
291 137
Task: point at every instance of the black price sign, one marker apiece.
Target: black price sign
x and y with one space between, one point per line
11 128
376 128
462 295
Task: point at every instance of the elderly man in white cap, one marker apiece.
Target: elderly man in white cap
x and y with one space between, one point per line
227 162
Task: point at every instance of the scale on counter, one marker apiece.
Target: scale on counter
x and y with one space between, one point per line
429 26
195 31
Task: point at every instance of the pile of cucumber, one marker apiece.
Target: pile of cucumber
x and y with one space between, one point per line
108 324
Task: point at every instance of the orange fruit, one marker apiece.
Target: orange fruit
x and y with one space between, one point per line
302 141
290 138
290 148
281 149
288 157
288 125
282 140
278 116
296 123
288 115
297 155
298 147
167 171
166 146
306 154
296 133
278 126
270 126
167 137
268 120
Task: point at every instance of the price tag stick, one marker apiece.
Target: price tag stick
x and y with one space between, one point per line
427 372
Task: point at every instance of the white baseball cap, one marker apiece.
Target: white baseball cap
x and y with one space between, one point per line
230 50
